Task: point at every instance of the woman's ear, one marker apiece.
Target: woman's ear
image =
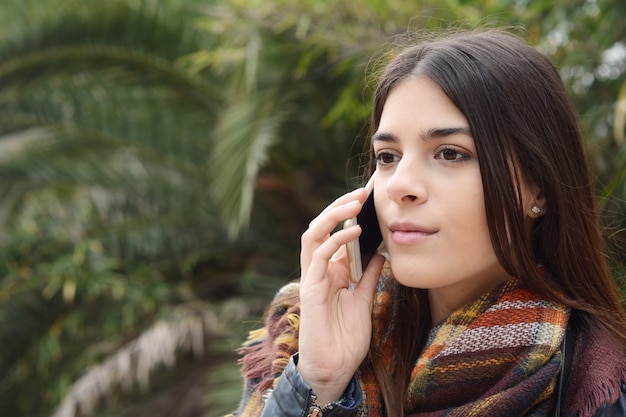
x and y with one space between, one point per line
533 200
536 205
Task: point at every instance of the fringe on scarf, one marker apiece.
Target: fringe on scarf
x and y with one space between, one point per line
267 351
598 370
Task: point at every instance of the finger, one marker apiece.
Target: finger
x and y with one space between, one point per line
320 229
341 253
337 241
315 270
333 214
359 194
339 211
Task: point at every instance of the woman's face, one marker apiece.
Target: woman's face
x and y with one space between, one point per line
429 198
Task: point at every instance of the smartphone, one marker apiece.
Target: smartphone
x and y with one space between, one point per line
361 250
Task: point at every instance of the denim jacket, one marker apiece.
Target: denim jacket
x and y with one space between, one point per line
291 397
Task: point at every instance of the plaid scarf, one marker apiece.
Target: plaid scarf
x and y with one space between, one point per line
499 355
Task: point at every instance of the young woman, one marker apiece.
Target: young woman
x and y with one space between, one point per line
493 297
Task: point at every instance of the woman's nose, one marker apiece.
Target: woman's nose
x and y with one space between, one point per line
407 184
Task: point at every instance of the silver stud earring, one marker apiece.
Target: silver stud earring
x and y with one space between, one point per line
536 209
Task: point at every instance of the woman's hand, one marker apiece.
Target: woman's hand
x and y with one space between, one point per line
335 322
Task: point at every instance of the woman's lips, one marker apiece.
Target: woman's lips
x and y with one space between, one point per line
406 234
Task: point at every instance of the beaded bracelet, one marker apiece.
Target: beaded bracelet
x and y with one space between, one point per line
316 410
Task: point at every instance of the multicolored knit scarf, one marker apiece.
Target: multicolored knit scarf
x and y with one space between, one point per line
499 355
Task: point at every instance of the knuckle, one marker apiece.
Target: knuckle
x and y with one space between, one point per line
307 236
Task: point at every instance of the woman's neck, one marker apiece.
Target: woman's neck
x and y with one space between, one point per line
446 300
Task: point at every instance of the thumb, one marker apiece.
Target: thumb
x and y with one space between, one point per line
367 285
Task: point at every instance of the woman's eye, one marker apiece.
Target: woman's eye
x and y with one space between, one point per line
386 158
451 154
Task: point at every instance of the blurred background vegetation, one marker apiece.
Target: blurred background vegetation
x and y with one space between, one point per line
160 159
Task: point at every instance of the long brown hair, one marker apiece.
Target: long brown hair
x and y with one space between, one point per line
519 114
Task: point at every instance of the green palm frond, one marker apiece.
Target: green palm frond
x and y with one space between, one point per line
244 133
109 111
104 146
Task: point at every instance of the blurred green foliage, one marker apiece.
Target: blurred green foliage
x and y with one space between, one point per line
159 161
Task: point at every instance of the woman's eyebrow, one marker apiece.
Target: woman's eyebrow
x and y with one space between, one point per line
384 137
432 133
441 132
